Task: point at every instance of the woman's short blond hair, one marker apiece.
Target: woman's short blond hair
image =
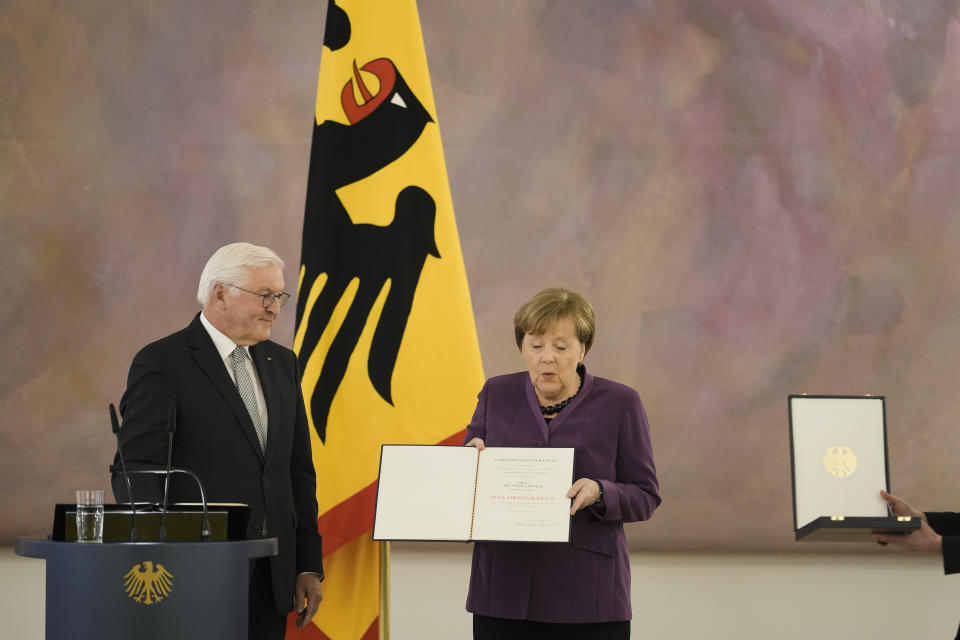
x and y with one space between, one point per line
550 306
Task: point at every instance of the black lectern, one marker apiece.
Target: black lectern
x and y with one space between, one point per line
144 590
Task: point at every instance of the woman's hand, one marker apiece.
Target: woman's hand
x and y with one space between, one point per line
476 442
584 493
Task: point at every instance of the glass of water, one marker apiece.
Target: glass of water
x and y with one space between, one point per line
90 516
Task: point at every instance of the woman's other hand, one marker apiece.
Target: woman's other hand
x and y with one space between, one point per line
476 442
584 493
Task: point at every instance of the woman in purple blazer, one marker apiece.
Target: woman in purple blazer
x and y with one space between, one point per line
580 589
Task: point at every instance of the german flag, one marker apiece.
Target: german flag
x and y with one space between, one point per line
385 331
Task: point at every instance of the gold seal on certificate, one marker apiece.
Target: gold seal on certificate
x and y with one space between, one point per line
840 461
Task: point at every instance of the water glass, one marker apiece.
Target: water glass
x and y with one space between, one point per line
90 516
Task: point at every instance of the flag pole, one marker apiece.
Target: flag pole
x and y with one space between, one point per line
385 590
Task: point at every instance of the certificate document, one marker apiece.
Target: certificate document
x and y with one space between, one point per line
462 494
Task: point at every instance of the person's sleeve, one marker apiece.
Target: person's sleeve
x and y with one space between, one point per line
150 394
478 424
635 493
951 554
304 480
947 524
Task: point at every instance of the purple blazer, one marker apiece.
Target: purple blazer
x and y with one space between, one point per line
587 579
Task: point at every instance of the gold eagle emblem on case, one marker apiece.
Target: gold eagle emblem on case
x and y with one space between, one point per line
840 461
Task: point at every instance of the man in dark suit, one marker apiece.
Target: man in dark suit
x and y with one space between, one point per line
241 427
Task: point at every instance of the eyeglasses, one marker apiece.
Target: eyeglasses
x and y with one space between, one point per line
266 299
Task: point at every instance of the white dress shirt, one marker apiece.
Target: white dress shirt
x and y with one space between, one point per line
225 347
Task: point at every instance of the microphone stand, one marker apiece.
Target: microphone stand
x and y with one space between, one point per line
115 423
205 524
171 429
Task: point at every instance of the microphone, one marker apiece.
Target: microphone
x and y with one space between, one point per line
205 524
171 429
115 423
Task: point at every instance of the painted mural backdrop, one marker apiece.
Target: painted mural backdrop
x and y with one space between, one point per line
760 198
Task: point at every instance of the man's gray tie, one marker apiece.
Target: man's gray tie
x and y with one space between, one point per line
245 387
249 396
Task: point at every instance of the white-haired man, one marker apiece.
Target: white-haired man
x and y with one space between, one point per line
241 426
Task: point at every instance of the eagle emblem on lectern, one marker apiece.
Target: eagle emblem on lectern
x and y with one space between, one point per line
148 583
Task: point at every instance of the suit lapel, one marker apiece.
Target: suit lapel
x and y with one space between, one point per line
571 408
562 417
208 359
534 406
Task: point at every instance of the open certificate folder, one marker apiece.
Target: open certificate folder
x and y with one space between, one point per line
838 452
461 494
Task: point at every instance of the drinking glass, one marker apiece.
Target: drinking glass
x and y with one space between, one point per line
90 516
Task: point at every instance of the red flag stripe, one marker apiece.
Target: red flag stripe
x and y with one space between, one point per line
456 438
313 632
373 631
348 519
309 632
